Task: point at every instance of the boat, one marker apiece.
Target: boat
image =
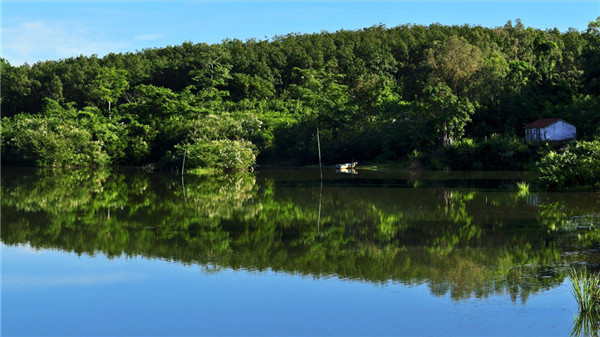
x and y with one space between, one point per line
347 165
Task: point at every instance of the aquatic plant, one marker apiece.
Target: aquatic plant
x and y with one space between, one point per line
523 188
586 325
586 289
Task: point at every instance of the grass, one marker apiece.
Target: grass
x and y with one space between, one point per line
586 289
523 188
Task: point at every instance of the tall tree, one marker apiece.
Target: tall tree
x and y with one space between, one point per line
448 112
109 85
454 63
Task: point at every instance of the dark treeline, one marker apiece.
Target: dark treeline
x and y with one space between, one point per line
376 94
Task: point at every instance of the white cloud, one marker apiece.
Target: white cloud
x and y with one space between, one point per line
43 40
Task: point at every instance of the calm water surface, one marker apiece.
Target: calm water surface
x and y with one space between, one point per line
280 252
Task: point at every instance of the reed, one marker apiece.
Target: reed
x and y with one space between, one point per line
586 325
586 289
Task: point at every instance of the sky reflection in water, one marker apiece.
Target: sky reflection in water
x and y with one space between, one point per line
144 297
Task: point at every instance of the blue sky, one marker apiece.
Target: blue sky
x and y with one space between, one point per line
46 30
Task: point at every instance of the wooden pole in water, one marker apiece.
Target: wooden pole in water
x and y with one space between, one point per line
319 147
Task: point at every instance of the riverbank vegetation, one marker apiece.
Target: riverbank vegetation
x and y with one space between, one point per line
575 166
457 95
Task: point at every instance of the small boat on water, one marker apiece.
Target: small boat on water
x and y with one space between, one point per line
347 165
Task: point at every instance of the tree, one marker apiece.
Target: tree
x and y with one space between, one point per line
16 88
53 89
454 63
448 112
109 85
321 91
592 57
549 56
213 69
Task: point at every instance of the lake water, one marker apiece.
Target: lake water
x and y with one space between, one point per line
284 253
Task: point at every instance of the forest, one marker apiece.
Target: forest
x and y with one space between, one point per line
441 97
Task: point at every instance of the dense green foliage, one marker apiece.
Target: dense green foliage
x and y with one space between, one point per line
375 94
494 152
576 166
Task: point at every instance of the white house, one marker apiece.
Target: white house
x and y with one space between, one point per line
549 129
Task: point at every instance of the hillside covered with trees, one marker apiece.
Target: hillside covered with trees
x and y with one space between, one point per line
451 96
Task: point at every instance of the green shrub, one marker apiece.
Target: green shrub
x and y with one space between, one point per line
576 166
461 154
50 142
223 154
493 153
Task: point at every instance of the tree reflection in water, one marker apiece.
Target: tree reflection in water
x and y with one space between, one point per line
466 242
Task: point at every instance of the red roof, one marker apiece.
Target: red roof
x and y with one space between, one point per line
542 123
